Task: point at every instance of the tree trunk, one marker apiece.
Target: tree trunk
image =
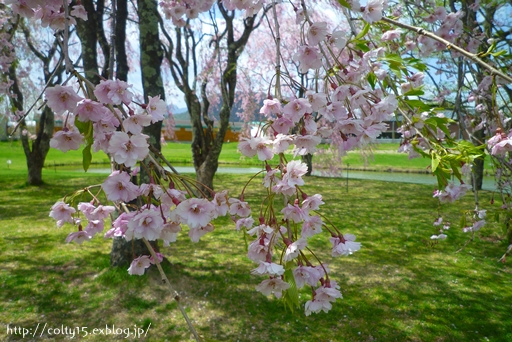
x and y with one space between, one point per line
477 176
308 160
151 54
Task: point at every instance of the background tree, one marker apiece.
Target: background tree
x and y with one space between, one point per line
224 44
50 57
455 81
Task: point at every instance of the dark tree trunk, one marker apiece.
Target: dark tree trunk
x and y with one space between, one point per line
477 176
151 54
89 41
35 153
308 160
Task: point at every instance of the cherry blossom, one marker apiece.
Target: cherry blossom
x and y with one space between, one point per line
128 149
344 245
139 265
316 33
156 108
67 139
268 268
79 237
274 286
196 233
62 212
118 186
61 99
196 212
146 224
306 275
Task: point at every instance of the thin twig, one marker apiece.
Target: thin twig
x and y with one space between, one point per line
471 56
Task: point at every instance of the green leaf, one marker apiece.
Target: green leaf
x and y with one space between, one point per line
290 296
86 157
435 161
417 104
363 32
87 130
414 92
363 46
344 3
499 53
372 79
463 221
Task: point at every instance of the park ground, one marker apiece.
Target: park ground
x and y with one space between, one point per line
400 286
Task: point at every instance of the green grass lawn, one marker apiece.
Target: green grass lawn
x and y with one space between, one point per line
381 157
398 287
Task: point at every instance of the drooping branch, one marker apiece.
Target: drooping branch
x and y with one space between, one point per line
473 57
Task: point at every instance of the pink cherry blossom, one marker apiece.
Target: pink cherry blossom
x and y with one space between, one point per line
119 187
79 11
88 110
270 178
274 286
373 11
170 232
61 99
67 139
451 193
268 268
316 33
391 34
156 108
146 224
153 190
271 107
345 245
308 57
139 265
315 306
196 233
281 143
312 225
295 169
259 250
305 144
94 226
172 197
120 225
113 92
312 203
295 109
135 123
78 237
127 149
282 125
240 208
261 230
502 147
249 147
61 211
101 212
283 187
293 213
246 222
306 275
196 212
220 200
293 249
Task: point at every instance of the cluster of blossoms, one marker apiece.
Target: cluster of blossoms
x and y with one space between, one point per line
161 218
50 12
114 132
288 237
